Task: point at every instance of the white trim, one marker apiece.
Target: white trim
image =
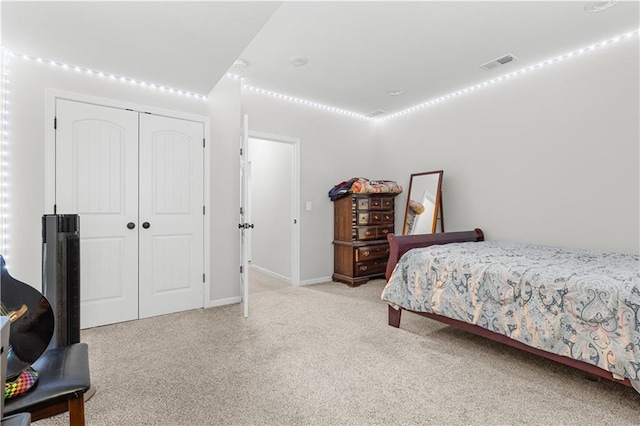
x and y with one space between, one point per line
295 198
320 280
274 138
49 153
206 199
52 95
271 274
248 236
114 103
223 302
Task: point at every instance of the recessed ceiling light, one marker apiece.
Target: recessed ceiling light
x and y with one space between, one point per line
299 60
376 113
598 6
394 92
240 63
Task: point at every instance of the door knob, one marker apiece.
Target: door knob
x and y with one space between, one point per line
131 225
146 225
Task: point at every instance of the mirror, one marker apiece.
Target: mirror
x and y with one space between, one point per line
424 204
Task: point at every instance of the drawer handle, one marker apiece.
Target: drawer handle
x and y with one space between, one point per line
366 253
363 267
367 233
385 231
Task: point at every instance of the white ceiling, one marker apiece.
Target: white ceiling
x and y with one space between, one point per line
186 45
357 51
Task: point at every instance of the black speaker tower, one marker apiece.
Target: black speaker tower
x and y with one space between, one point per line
61 275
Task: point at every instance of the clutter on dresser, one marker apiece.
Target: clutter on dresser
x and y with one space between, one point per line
359 185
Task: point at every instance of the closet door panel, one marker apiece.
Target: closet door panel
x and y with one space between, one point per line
97 178
171 204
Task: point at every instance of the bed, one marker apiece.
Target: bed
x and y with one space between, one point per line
577 307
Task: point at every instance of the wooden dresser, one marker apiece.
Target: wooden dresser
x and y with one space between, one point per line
360 227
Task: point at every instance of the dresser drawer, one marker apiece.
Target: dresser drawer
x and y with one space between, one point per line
362 203
364 233
374 203
382 203
370 268
380 251
375 218
364 218
383 231
381 217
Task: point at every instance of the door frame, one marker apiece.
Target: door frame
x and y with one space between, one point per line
295 197
52 95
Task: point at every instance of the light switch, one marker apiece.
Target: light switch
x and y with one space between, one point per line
308 206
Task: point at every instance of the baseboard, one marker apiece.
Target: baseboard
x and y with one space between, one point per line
223 302
271 274
238 299
315 281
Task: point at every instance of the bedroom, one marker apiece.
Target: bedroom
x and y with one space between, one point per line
549 157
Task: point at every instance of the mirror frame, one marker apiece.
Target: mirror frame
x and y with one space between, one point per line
438 213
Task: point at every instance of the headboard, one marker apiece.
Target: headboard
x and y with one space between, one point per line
400 244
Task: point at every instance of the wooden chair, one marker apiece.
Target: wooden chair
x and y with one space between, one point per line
63 379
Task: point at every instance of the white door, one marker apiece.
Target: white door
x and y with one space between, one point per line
171 215
136 181
97 178
244 226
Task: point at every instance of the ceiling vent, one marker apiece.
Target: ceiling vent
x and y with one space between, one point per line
376 113
495 63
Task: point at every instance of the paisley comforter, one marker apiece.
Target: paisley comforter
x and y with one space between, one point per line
575 303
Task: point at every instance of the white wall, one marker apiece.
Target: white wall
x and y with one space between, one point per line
271 198
28 81
333 148
550 157
523 159
224 110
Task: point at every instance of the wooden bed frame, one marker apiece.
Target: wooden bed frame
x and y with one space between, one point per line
400 244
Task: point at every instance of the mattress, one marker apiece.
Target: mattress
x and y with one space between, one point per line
575 303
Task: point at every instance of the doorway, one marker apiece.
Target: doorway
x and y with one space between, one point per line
273 207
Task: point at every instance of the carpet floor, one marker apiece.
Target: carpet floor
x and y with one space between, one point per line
324 355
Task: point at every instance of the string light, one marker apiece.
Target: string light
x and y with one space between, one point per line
6 56
4 85
446 97
307 103
505 77
100 74
4 155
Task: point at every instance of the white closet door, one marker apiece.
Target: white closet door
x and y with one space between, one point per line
171 215
97 178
